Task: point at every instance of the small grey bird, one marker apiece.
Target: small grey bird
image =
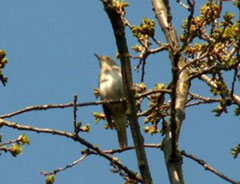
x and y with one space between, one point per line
111 88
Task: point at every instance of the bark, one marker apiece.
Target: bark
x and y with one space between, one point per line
180 87
114 13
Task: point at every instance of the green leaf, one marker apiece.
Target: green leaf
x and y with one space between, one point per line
50 179
24 139
235 151
16 149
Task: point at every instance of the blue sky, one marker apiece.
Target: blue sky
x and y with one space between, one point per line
50 47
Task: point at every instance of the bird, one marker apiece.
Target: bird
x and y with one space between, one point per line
111 88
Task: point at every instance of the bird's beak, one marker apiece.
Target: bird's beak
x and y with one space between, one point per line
97 56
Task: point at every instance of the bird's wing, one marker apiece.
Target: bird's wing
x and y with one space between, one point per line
108 113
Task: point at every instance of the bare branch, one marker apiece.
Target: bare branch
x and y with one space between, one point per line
201 102
113 151
54 172
37 107
75 113
70 104
183 5
56 106
234 81
150 92
211 83
9 142
179 92
74 137
206 99
5 149
209 168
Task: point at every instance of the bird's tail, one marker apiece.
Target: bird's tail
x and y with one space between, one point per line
121 122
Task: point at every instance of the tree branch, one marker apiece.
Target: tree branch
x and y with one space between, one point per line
208 167
56 106
75 114
76 138
180 86
55 171
211 83
115 12
71 104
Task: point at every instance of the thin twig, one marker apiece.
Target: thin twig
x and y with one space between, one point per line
202 102
143 69
56 106
88 152
183 5
70 104
209 168
75 113
113 151
37 107
150 92
194 61
234 81
54 172
5 149
206 99
9 142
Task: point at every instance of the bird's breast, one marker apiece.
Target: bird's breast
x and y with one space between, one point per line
111 86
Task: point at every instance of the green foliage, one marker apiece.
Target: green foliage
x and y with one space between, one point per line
155 101
16 150
139 88
192 51
15 147
222 107
99 116
158 111
117 6
137 48
86 128
23 139
50 179
227 19
214 35
119 3
237 3
229 30
151 130
218 111
83 128
210 11
145 30
220 89
215 38
235 151
78 125
3 62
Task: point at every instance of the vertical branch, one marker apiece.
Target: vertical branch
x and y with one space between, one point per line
115 10
180 87
75 113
